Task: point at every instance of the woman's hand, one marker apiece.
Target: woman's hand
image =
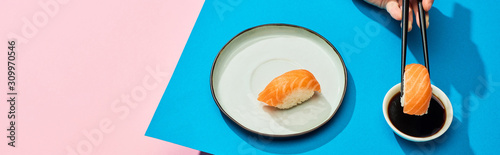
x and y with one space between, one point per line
395 10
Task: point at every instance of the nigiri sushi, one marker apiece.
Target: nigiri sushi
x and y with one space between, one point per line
417 90
290 89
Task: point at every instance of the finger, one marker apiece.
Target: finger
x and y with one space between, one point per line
378 3
426 20
394 10
417 15
410 17
427 4
414 5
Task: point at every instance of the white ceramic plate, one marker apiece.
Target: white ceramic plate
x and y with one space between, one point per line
249 61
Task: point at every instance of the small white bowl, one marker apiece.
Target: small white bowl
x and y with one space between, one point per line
435 91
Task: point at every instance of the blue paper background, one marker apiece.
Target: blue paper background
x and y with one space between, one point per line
464 60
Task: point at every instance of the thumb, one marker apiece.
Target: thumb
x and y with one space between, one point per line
394 10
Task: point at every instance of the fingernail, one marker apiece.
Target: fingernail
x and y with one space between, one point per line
427 21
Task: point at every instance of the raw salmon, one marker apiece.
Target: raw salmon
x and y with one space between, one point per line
417 90
290 89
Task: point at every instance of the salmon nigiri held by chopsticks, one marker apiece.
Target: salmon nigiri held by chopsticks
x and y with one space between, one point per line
290 89
417 90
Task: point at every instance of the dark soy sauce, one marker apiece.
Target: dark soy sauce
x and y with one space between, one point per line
417 126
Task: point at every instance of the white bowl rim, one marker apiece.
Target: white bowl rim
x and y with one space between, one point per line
435 91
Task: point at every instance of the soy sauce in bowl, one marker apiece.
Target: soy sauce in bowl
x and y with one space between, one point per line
417 126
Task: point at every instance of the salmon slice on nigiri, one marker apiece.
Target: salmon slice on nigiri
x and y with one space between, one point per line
417 90
290 89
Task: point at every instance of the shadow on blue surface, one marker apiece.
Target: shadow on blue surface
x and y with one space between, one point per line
459 66
300 144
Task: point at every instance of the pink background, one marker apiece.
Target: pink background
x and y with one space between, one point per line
77 65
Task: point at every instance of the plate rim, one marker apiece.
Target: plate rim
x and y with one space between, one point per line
274 135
